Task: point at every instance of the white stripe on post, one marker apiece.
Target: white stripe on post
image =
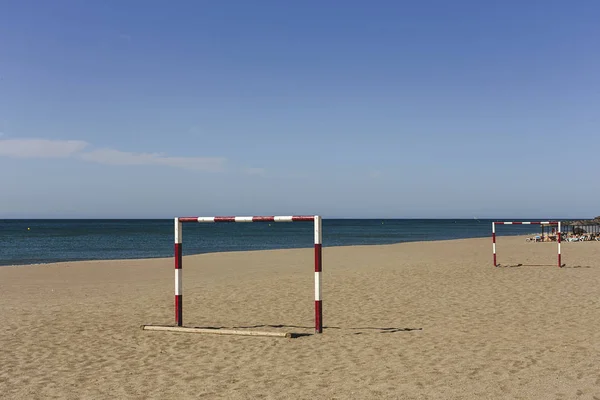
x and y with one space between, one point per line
243 219
318 230
526 223
507 223
318 286
206 219
283 219
178 282
178 231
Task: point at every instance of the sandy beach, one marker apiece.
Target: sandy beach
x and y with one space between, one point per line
431 320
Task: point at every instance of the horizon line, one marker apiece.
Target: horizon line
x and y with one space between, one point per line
324 217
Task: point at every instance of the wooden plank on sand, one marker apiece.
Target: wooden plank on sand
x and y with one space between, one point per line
214 331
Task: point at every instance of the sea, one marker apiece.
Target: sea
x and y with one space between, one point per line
47 241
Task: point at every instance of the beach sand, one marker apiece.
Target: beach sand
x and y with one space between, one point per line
432 320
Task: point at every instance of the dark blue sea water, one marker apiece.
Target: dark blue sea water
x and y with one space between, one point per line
69 240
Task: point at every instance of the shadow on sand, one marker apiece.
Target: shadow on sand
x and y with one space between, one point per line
378 330
541 265
528 265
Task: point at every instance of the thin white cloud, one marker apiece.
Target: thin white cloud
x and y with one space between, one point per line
40 148
116 157
43 148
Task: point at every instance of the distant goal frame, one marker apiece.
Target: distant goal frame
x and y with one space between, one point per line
549 223
318 261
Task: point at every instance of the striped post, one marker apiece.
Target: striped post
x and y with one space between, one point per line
318 269
178 273
558 239
494 242
524 223
318 256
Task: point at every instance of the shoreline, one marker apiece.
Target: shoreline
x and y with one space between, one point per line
260 250
45 242
159 258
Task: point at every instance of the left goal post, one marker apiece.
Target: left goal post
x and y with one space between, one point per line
318 252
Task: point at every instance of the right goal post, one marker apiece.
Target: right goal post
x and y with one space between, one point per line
549 223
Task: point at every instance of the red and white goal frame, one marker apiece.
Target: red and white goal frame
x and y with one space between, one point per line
316 219
550 223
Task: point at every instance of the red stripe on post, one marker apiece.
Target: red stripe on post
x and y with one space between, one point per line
179 310
264 219
559 263
178 256
318 257
188 219
224 219
298 218
318 316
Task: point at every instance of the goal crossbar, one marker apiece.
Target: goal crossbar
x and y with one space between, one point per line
318 238
549 223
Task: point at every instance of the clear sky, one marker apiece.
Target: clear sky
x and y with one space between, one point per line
379 109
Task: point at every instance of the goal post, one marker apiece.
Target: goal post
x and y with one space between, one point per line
549 223
318 239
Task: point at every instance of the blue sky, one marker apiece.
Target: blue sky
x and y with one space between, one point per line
379 109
